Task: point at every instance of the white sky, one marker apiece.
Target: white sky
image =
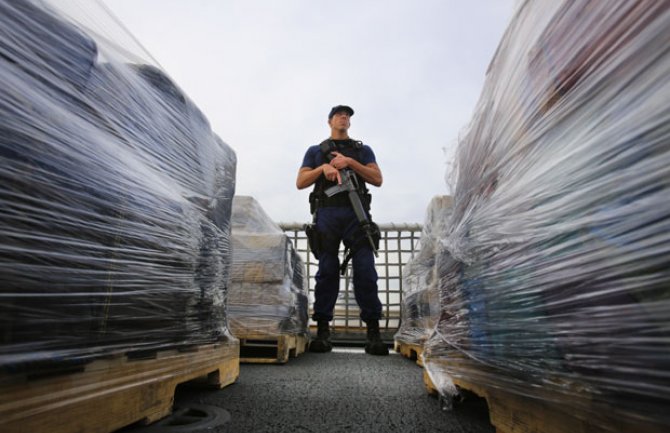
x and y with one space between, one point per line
266 73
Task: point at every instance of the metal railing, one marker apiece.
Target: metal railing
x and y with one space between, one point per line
397 246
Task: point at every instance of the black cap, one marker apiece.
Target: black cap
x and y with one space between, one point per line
338 108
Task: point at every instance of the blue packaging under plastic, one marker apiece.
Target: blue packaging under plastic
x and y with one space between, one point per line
555 282
115 199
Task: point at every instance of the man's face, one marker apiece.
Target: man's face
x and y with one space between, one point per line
340 121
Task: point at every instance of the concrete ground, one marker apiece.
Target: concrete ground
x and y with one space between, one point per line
342 391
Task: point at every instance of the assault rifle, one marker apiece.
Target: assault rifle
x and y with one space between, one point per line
350 185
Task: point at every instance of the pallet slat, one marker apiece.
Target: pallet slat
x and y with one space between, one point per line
113 393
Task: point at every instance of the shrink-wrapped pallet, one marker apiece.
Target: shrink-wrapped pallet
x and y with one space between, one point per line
268 292
554 282
420 303
115 197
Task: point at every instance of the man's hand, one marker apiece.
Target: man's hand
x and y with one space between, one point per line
370 172
331 173
340 161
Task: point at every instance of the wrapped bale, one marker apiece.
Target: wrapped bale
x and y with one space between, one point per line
268 291
420 302
116 200
554 279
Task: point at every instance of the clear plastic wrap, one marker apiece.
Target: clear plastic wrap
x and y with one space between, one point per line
420 299
556 285
268 290
115 199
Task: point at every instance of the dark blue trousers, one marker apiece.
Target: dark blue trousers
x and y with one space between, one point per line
335 225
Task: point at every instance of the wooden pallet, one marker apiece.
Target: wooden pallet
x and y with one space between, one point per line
259 348
409 350
112 393
514 413
428 383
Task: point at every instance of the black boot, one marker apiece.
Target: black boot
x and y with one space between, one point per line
322 342
375 345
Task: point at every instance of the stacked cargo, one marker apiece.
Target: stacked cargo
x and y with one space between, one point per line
420 295
554 280
267 300
114 231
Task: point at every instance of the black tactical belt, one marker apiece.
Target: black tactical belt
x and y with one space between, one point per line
342 200
338 200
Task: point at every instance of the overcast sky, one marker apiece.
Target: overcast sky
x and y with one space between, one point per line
266 73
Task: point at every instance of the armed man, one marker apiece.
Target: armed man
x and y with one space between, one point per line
339 168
